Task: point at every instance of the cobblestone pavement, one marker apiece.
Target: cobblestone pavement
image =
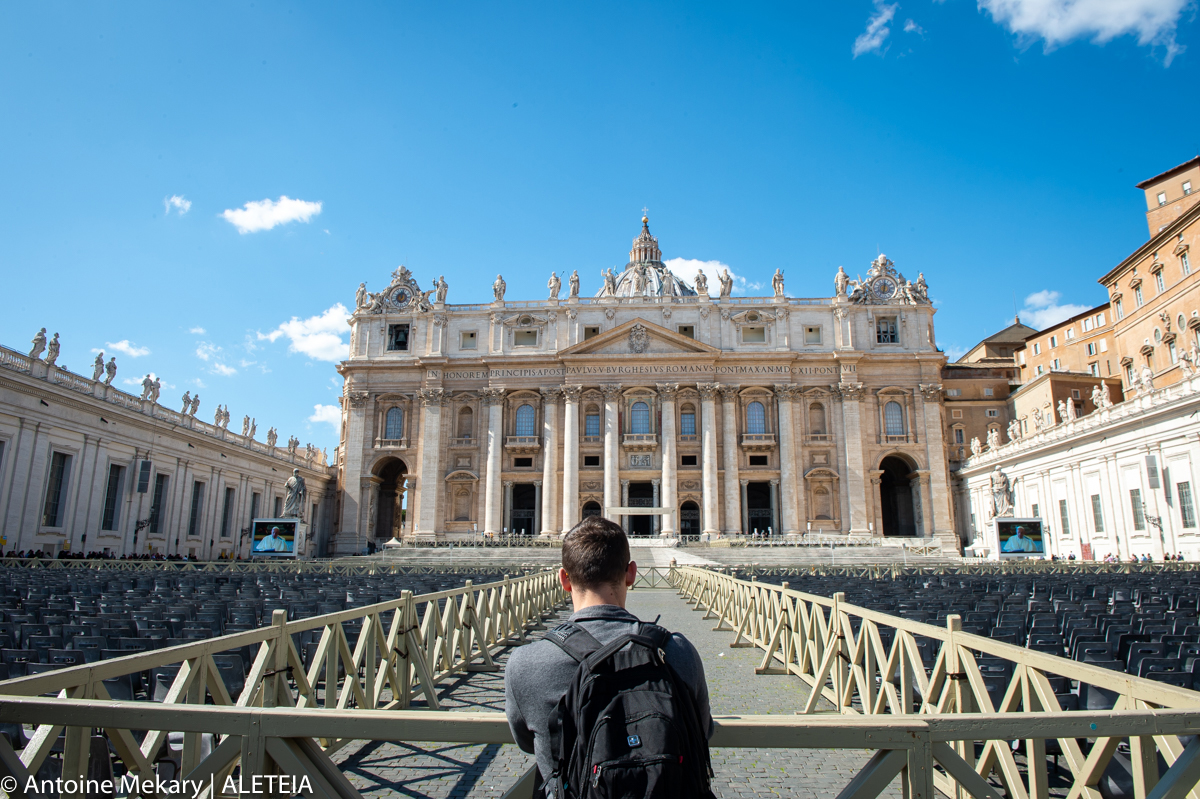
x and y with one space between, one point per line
387 769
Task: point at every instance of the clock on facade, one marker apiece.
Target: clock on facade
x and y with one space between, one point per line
884 288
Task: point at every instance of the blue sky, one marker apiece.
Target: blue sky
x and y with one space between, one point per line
992 146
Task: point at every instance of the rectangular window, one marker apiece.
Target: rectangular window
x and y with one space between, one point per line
1075 393
143 477
959 436
1174 355
197 509
1034 511
992 413
1104 345
954 392
590 332
1039 369
591 425
1053 342
157 503
522 463
1158 281
525 338
687 424
687 460
956 414
812 335
1064 518
56 490
278 507
1057 365
397 338
758 460
1137 296
1187 510
255 500
1099 320
1087 325
467 340
1185 263
1094 368
591 460
1070 333
112 498
1097 514
1187 188
1021 357
885 330
227 512
754 335
987 392
1119 309
1135 503
1091 348
1162 198
687 330
1037 348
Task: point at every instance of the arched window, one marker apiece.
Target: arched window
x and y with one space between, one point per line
525 419
893 419
816 419
639 417
687 421
756 419
466 423
591 422
394 428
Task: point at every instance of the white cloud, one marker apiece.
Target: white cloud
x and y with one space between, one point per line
177 202
199 331
318 336
206 350
1057 22
198 383
1042 309
223 370
871 40
330 414
266 214
954 352
686 269
137 382
127 347
911 26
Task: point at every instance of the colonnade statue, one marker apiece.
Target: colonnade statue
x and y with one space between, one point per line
294 492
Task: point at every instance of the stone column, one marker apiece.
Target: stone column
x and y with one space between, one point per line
654 520
612 446
349 529
729 447
549 459
788 520
537 504
493 400
851 395
745 520
775 523
570 506
670 459
710 524
876 476
625 503
432 400
506 513
940 521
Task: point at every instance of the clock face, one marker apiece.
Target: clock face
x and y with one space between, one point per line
401 297
884 288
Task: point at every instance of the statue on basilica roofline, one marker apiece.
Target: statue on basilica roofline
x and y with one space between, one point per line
39 344
884 285
272 437
52 351
1147 378
187 401
360 296
155 389
98 366
195 405
1014 430
610 282
777 284
840 281
498 288
726 284
701 283
976 447
442 288
147 386
993 439
555 285
110 370
574 285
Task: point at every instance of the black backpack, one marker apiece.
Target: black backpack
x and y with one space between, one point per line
628 726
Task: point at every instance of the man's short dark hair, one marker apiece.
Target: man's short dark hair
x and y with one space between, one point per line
595 552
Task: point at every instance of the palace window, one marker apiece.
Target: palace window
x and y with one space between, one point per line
466 423
1135 503
754 335
393 427
525 338
1187 188
1185 263
816 419
397 338
759 460
885 330
1158 281
1091 348
1137 296
1039 369
893 419
1129 378
522 463
255 501
1119 309
1056 366
1094 368
1097 514
812 335
1171 351
954 392
959 436
112 498
525 420
1187 510
1037 348
1162 199
639 418
1070 333
1053 342
987 392
687 421
1064 518
467 340
756 419
591 423
1087 324
56 491
198 508
992 413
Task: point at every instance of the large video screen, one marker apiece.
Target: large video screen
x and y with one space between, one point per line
274 538
1020 538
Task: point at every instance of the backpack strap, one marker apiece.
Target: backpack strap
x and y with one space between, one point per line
659 635
574 640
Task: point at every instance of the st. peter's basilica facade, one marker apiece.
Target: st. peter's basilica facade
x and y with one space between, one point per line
650 402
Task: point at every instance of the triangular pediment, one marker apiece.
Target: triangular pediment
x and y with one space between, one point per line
651 339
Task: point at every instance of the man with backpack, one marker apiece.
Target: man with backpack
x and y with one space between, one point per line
609 705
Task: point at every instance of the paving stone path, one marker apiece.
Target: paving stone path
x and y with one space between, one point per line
387 769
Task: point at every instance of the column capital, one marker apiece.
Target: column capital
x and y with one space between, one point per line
492 396
708 391
786 392
434 397
729 393
667 391
572 393
624 484
537 483
508 484
358 399
655 482
849 391
744 482
551 394
611 391
774 482
931 392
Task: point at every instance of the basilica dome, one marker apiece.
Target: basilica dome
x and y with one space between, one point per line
645 275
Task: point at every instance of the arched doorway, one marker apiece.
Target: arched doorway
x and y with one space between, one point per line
689 518
524 508
898 495
389 500
590 508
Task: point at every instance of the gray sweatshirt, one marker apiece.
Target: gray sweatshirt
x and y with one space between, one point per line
539 673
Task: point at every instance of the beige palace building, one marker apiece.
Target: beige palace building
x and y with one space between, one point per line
770 415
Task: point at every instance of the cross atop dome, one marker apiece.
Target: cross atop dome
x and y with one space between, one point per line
645 247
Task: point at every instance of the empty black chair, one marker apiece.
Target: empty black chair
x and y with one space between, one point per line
1141 650
120 689
17 659
1149 665
1180 679
66 657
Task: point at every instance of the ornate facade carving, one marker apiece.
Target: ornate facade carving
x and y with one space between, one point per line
886 286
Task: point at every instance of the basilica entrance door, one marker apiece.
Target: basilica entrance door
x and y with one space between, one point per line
524 508
896 496
759 514
689 519
641 495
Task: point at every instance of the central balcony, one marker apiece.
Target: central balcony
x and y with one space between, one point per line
391 443
522 443
756 442
640 442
